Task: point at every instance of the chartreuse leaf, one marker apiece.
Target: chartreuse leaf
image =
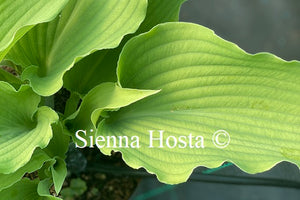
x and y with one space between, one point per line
23 126
102 64
28 190
82 28
207 84
36 162
106 96
18 16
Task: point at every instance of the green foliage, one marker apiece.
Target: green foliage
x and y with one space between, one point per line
8 77
124 81
93 105
24 126
77 187
26 189
207 84
82 28
102 64
36 162
18 18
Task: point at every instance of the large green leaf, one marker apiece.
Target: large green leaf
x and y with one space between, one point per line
208 85
23 126
104 97
82 28
102 64
18 16
36 162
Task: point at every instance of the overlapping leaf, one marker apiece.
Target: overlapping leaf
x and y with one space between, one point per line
101 66
59 173
18 16
36 162
43 189
94 69
59 143
160 11
106 96
28 190
50 49
23 126
56 149
207 84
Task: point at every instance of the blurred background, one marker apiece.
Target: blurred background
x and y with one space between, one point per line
256 26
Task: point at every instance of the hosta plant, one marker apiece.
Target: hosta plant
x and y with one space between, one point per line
170 96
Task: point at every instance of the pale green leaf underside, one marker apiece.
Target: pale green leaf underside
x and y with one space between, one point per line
82 28
102 64
17 16
23 126
106 96
207 84
36 162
